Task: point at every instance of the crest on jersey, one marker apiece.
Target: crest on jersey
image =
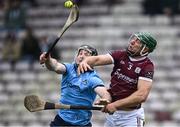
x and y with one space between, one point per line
137 70
84 82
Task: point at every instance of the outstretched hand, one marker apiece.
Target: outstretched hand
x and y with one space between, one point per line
83 67
43 58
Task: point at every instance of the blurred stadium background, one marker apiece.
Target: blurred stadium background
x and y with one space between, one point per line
105 24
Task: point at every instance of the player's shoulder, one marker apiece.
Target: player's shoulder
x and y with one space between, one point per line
118 53
94 77
93 74
150 61
70 67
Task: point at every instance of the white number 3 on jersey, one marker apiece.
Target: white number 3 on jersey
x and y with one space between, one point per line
130 66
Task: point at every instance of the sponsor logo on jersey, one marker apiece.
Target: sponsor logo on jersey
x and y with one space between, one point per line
124 77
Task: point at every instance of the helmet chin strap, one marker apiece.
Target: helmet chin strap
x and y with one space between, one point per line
141 52
136 54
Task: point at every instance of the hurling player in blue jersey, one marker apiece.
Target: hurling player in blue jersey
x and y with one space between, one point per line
76 90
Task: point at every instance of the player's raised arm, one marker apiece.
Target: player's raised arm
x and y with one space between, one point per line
90 62
52 64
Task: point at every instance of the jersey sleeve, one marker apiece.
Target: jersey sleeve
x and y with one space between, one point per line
68 66
147 73
95 81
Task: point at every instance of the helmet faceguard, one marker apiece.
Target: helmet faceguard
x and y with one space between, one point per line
147 41
88 48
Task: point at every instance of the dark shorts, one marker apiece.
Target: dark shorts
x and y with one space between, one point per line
59 122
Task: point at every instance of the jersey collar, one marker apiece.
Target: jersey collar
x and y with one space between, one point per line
137 59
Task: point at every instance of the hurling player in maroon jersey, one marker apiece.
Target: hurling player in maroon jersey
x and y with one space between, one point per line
131 80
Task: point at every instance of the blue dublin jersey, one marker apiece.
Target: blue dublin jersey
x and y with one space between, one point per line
78 90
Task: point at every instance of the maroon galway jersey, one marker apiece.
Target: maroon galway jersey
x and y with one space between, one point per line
126 72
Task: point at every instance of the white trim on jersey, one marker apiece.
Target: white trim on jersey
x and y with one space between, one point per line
137 59
147 79
111 58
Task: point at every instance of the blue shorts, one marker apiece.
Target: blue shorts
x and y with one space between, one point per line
58 122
